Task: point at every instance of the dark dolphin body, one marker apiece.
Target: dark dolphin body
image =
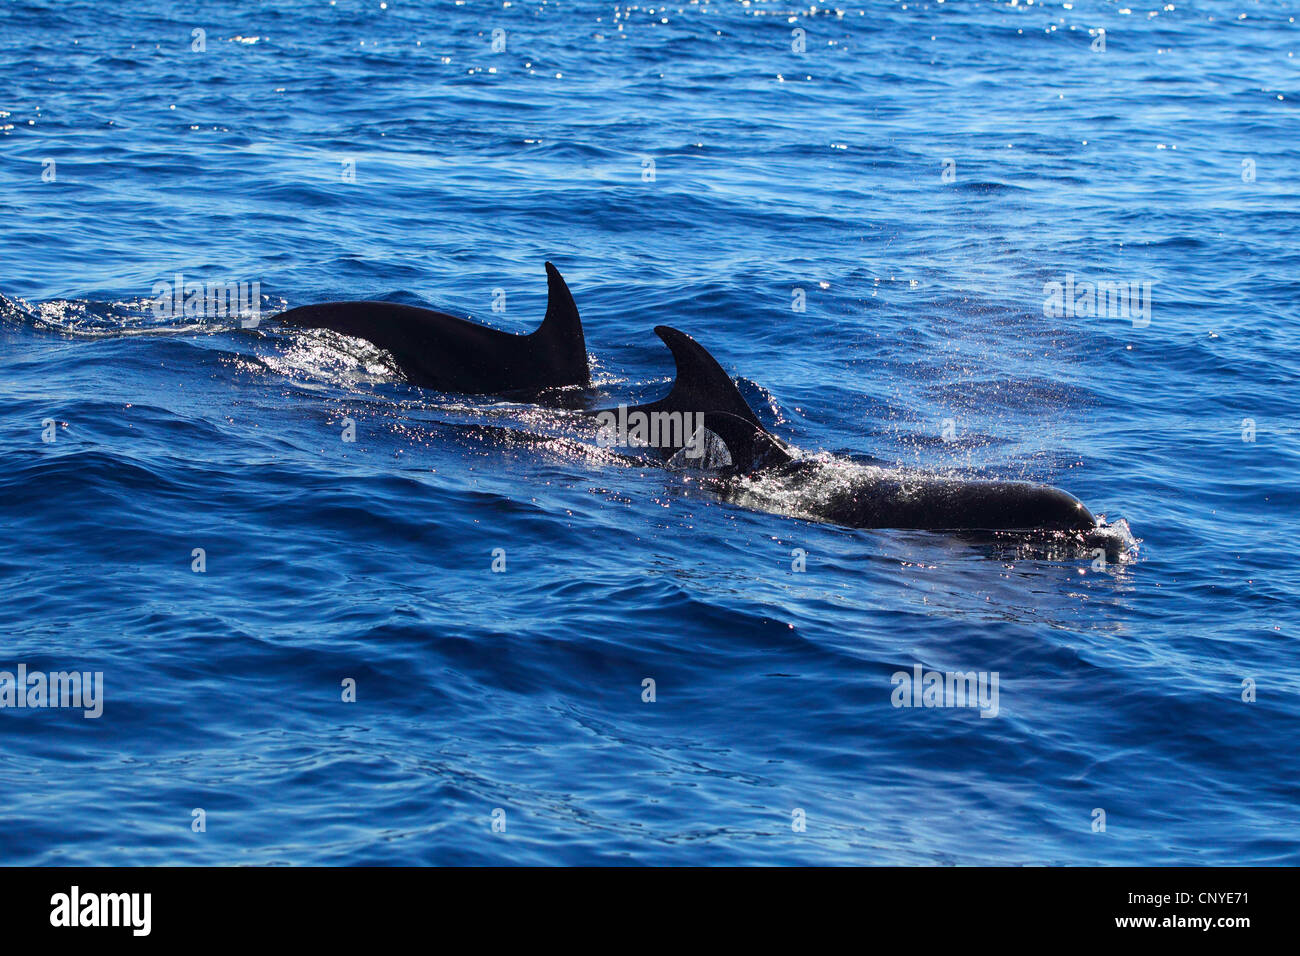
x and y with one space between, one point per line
439 351
871 497
442 352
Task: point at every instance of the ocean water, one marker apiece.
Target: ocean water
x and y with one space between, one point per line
858 210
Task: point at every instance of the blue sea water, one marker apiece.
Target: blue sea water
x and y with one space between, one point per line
919 170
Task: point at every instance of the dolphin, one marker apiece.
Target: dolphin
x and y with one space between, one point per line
439 351
859 496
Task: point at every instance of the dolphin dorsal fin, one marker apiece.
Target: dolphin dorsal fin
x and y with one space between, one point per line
701 385
560 336
749 446
718 413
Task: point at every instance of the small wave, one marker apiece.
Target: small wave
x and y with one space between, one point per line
93 319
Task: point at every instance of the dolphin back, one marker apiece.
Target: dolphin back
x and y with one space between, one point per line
885 498
440 351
